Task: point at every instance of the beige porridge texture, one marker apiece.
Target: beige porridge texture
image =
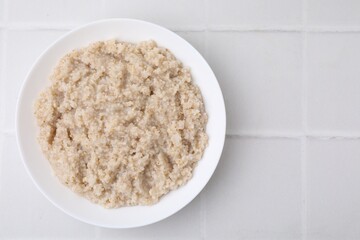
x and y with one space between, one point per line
122 124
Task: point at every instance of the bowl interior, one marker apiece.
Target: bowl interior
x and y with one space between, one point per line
39 168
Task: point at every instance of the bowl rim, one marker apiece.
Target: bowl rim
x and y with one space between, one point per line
28 78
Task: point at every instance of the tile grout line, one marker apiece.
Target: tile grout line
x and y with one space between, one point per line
2 83
333 137
303 159
203 215
215 28
4 35
6 11
254 28
70 26
40 26
203 194
2 141
246 134
294 136
2 97
304 107
280 28
3 63
331 29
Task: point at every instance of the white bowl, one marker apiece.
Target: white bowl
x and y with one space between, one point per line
39 168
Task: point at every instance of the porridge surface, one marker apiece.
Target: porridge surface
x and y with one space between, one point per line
122 124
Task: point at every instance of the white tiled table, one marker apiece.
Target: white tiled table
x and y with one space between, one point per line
290 74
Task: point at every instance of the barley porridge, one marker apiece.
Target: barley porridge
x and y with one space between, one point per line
122 124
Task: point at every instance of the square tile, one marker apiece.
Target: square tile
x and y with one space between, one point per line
196 39
260 76
17 65
25 213
65 11
334 12
254 12
184 224
333 84
256 191
171 14
333 189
